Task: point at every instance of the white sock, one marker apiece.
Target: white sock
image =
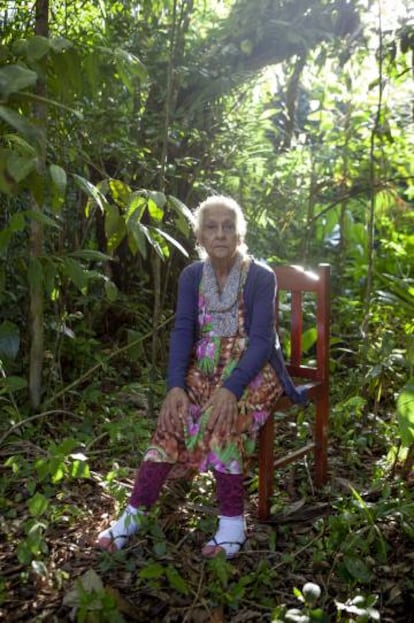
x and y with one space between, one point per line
127 525
231 534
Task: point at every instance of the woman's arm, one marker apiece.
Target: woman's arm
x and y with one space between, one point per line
260 310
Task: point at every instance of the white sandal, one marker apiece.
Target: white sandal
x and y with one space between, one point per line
115 538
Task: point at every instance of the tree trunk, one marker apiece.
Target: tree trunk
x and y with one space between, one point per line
36 237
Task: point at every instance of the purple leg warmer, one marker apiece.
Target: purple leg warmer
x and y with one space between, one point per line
230 493
148 482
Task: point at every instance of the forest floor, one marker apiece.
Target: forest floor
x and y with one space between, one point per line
354 539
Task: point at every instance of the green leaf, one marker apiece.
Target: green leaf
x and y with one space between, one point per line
88 583
14 78
405 408
220 567
115 228
153 571
158 198
309 339
136 207
172 240
92 191
111 291
50 273
59 177
9 340
80 469
60 44
160 548
21 124
20 167
124 75
66 446
17 222
136 238
120 192
37 47
5 237
357 568
59 181
12 384
40 217
76 273
155 211
38 505
176 580
130 65
7 185
39 568
56 469
184 217
151 235
91 255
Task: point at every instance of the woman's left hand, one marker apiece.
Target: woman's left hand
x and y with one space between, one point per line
224 412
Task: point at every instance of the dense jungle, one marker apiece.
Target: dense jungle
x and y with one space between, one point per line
116 119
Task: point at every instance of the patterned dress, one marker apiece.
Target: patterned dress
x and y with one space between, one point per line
222 340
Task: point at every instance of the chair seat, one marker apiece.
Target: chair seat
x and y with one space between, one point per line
284 403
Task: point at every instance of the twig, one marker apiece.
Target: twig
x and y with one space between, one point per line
196 596
35 417
272 554
309 476
101 364
95 440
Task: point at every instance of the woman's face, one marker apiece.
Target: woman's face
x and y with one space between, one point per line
218 233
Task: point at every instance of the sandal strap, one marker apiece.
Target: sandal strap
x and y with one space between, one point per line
224 546
221 543
108 534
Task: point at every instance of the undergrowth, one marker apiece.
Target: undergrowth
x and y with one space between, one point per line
340 554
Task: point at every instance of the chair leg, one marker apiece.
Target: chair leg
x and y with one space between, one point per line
266 482
321 440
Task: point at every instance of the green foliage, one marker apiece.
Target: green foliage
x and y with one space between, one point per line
360 608
90 601
405 406
149 110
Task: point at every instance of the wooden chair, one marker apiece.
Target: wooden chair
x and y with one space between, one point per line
298 282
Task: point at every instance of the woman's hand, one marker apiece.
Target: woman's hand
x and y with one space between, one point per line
175 406
224 412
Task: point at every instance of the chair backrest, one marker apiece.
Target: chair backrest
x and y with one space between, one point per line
298 282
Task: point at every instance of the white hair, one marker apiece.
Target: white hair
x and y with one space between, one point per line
223 202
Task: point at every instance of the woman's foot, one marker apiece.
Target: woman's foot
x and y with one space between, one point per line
115 538
229 538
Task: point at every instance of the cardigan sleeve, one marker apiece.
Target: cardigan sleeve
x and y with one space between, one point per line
260 291
183 333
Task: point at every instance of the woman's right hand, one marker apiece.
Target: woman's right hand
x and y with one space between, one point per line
175 406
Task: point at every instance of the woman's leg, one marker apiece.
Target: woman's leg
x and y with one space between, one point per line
231 533
147 487
148 482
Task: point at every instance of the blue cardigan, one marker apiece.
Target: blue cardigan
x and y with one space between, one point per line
263 346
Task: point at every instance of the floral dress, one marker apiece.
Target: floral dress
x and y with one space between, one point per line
221 342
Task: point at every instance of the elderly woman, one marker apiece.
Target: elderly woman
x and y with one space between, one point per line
225 375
